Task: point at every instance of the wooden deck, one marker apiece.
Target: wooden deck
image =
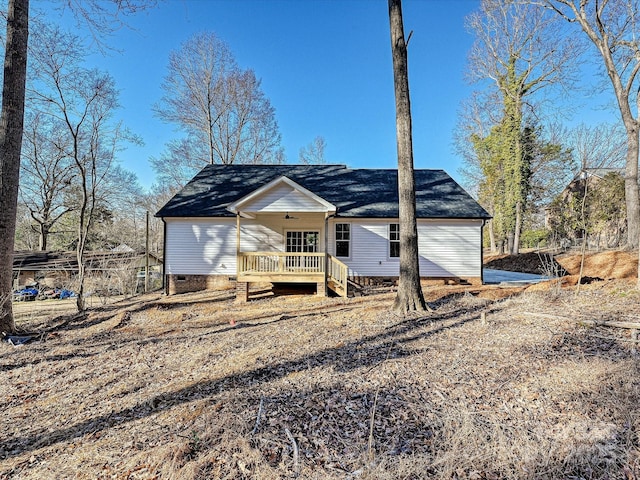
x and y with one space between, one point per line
281 267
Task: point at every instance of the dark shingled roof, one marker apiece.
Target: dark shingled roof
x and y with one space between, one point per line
363 193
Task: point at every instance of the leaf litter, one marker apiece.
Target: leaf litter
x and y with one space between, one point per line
199 386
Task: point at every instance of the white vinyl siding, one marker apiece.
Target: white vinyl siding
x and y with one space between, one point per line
450 248
283 198
207 246
200 247
447 248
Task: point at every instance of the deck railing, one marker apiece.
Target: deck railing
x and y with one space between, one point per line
338 272
338 275
280 263
294 267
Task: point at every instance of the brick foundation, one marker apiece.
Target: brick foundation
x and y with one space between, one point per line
194 283
426 282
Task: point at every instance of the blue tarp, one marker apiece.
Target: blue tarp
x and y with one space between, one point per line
16 340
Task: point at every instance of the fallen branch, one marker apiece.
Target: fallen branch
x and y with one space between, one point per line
372 424
545 315
296 453
617 338
611 323
255 427
596 323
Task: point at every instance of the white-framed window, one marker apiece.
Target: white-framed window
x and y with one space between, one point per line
299 241
343 239
394 240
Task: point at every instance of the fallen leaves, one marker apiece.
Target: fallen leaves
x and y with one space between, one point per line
170 389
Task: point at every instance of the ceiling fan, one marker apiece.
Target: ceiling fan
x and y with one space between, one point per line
289 217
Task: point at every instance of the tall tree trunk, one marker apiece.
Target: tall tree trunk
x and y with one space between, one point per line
492 238
409 297
11 127
43 236
80 293
515 248
83 230
608 35
631 194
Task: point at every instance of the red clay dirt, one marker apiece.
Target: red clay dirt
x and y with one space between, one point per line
615 264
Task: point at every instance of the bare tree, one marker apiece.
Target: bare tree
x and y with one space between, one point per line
409 296
123 196
11 126
591 205
47 174
84 101
520 49
101 17
478 114
27 237
313 154
596 146
11 129
613 27
221 108
178 163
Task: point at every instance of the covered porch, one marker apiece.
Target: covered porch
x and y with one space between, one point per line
325 270
291 246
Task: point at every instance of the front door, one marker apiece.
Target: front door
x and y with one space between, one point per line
299 241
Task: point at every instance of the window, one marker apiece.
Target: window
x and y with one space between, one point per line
299 242
343 238
394 240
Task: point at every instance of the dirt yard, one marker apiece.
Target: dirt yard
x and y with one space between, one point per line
494 383
605 265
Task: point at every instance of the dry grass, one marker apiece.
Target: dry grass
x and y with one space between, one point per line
197 387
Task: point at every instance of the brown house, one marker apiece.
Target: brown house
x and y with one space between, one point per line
116 270
563 217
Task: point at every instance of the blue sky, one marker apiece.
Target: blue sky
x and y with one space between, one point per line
325 65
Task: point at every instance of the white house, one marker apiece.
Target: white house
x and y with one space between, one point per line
324 224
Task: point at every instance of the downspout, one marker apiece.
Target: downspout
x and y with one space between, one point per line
165 284
237 244
482 251
326 249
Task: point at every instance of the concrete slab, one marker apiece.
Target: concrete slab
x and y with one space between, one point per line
511 278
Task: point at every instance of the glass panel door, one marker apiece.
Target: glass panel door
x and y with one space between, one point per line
300 242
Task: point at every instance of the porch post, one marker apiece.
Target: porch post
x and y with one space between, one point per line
237 234
326 256
242 288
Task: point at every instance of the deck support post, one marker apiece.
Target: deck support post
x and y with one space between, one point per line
242 291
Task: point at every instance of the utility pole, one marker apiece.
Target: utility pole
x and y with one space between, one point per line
146 256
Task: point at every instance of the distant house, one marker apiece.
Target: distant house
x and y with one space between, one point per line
563 215
113 269
326 225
